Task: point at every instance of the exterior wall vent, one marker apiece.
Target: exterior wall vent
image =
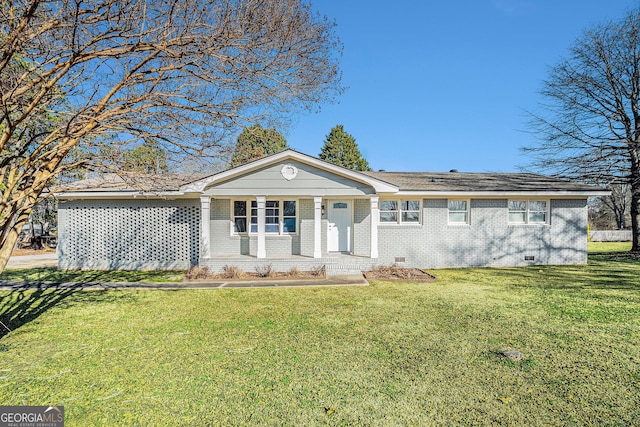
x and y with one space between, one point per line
529 258
399 259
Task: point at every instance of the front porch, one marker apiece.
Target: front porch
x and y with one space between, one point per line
313 226
334 263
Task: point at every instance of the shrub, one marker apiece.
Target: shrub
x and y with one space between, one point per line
231 272
264 270
197 272
319 271
294 272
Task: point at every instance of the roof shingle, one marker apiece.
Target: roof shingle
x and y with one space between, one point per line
470 182
405 181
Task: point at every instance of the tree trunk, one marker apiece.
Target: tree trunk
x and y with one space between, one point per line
11 225
8 244
635 215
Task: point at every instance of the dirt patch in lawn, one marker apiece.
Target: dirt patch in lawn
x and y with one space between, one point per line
400 274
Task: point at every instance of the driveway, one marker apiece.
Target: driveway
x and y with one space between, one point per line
33 261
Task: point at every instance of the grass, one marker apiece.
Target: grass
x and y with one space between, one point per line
52 274
387 354
608 247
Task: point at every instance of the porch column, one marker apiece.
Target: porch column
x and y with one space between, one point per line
375 218
205 227
261 201
317 227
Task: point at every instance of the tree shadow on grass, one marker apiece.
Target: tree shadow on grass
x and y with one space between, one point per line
601 273
53 275
23 304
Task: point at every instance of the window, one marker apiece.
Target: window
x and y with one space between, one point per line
538 211
518 211
388 211
289 216
239 216
458 212
271 216
410 211
400 211
527 211
279 215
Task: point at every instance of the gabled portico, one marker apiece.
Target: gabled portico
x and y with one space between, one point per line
289 205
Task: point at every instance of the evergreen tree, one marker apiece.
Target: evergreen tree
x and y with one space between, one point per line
146 158
341 149
256 142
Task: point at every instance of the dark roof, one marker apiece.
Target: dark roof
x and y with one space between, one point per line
133 182
406 181
464 181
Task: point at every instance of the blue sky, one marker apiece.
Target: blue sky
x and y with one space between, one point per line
440 85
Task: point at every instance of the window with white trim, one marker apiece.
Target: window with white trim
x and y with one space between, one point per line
528 211
458 211
271 216
399 211
280 216
239 216
289 216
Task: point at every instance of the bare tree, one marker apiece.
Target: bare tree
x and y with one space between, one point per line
589 128
181 75
611 212
617 203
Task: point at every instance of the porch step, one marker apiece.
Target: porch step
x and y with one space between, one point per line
340 269
344 272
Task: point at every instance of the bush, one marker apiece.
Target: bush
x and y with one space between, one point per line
294 272
231 272
264 270
197 272
319 271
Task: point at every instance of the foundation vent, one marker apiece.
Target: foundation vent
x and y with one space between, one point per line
529 258
399 259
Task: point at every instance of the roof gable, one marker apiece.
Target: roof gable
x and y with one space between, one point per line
289 177
376 184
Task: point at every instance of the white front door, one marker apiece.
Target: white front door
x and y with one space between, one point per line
340 225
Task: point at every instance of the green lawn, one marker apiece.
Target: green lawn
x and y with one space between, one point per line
52 274
607 247
387 354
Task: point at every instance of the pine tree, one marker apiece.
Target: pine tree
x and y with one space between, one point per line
256 142
341 149
146 158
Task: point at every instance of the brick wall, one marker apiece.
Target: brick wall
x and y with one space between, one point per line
150 234
488 239
306 226
362 227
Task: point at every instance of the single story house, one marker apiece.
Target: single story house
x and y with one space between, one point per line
293 210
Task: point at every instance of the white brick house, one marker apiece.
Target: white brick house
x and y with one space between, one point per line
290 209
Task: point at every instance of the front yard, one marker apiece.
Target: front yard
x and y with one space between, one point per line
387 354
